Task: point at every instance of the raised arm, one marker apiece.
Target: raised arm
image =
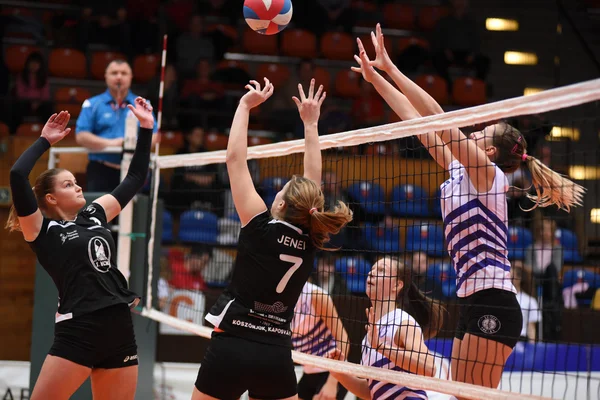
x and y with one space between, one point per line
357 386
247 201
310 110
30 217
114 202
401 106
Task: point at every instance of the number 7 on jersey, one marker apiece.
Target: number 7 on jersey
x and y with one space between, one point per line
297 261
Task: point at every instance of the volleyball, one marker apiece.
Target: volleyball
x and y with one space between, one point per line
268 17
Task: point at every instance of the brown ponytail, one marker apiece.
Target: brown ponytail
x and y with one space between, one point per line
44 184
427 312
550 187
304 207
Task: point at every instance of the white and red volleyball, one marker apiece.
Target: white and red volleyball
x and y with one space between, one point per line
268 17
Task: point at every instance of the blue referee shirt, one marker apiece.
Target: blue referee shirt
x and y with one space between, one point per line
102 116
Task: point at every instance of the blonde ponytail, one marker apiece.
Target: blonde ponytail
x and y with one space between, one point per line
12 224
552 188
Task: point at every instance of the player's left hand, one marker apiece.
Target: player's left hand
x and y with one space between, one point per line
309 106
143 112
365 66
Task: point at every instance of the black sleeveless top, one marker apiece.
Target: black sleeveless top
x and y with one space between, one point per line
80 257
273 262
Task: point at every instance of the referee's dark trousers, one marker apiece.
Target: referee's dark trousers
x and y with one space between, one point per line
102 178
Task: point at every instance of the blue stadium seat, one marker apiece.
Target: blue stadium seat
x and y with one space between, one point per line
167 227
370 196
426 237
574 276
569 243
380 238
410 201
436 207
198 227
354 270
270 188
442 278
519 239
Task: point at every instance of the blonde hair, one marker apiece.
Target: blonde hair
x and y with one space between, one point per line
44 184
304 202
551 188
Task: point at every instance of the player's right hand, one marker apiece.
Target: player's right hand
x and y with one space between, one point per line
56 127
382 60
256 96
336 354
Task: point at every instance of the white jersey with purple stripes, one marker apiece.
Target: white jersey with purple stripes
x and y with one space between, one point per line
310 334
475 226
388 326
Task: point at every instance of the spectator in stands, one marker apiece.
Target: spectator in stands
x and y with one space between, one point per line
223 11
195 187
530 308
170 96
327 278
367 109
544 258
187 268
202 93
218 270
192 46
102 123
456 42
32 89
105 22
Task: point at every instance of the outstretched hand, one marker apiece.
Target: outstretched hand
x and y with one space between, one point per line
364 64
382 60
143 112
256 96
309 106
56 127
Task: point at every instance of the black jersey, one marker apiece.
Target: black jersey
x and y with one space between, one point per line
80 257
273 262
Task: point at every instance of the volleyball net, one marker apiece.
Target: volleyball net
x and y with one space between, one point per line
393 187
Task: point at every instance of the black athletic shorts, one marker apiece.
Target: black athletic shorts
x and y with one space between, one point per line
233 365
101 339
310 385
492 314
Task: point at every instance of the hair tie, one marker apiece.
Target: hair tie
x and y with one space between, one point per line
524 157
312 210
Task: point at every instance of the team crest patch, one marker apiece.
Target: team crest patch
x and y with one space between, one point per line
99 253
489 324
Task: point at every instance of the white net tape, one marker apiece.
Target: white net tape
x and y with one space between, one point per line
549 100
553 99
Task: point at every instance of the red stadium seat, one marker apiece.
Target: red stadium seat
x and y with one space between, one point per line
171 139
4 131
435 85
299 43
337 46
232 64
71 95
347 83
257 141
469 92
100 60
323 77
29 129
430 15
278 74
17 55
67 63
215 141
145 67
260 44
406 42
399 16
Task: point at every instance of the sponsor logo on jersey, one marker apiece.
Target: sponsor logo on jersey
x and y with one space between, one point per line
99 254
130 358
96 221
489 324
91 209
277 307
68 236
